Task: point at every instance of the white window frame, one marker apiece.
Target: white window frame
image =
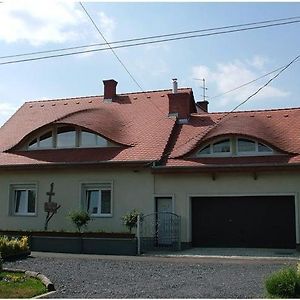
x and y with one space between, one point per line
103 186
22 187
234 149
252 153
78 139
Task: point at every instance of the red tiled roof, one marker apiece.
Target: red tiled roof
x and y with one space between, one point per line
140 124
137 121
279 129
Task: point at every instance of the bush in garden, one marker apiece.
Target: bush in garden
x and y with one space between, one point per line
80 219
284 283
130 219
13 246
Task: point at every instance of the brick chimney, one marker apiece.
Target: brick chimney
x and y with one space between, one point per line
202 106
110 89
181 105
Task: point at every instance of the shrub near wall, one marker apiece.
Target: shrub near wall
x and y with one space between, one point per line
13 246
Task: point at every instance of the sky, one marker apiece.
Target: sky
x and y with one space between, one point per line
225 61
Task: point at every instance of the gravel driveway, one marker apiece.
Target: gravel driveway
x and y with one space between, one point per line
76 276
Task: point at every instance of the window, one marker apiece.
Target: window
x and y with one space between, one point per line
23 200
235 146
245 145
91 139
68 137
97 199
221 147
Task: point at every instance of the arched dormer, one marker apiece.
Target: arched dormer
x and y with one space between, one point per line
66 136
234 146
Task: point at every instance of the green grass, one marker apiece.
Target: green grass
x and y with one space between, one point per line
17 285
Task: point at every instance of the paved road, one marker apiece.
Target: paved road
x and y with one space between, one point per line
84 276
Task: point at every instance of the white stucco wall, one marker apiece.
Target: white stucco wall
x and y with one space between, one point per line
130 190
184 186
133 189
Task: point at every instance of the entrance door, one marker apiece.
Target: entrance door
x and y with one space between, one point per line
164 208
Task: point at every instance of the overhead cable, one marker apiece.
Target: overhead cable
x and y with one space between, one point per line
149 37
145 43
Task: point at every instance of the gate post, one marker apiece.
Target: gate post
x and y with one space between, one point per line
179 233
138 233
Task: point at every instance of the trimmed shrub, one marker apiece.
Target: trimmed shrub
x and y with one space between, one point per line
80 219
130 219
13 246
284 284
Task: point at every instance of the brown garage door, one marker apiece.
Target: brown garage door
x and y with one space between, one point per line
260 221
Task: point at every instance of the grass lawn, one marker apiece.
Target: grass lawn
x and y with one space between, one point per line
17 285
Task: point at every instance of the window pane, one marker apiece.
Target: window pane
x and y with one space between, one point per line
20 201
33 144
263 148
46 140
31 201
66 137
88 139
205 150
245 145
101 142
105 201
222 147
92 201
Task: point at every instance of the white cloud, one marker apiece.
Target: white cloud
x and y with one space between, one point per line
40 22
258 61
228 76
106 25
6 110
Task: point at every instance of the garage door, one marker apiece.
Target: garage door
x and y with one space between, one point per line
260 221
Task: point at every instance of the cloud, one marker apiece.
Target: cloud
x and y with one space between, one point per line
41 22
227 76
106 25
6 110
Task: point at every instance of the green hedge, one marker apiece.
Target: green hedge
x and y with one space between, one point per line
284 283
13 246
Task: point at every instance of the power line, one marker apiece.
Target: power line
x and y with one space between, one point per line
149 37
210 128
115 54
247 83
146 43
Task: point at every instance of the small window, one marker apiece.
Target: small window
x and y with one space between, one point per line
66 137
23 200
46 140
97 199
245 145
89 139
263 148
205 150
222 146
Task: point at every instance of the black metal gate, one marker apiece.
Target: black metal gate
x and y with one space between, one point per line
159 231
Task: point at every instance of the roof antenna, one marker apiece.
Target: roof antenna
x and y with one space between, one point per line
204 88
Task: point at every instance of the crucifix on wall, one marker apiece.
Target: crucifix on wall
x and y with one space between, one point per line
50 207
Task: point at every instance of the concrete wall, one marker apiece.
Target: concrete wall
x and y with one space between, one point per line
136 189
131 189
183 186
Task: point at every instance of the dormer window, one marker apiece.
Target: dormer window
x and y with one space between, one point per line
68 137
234 146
